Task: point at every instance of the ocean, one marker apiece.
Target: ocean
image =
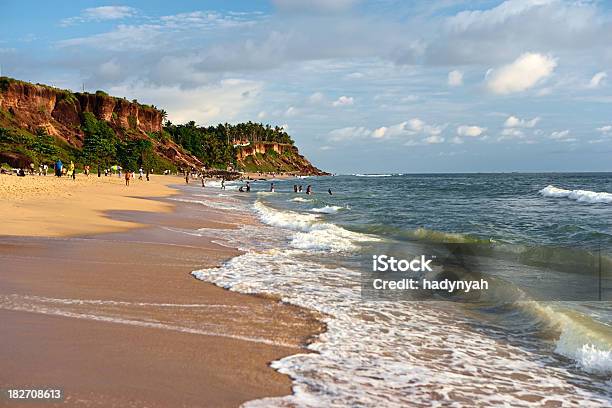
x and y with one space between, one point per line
542 335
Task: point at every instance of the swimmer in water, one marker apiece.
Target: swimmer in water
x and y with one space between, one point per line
271 187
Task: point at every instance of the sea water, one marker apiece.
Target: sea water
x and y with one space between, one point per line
543 336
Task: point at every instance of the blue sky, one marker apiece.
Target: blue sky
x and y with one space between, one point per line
362 86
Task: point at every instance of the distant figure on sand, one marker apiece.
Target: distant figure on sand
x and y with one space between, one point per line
58 168
329 191
203 181
309 189
186 177
128 175
140 173
271 187
222 184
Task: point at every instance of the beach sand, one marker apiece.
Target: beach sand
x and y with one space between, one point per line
115 318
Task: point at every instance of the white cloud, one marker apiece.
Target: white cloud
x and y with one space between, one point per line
562 136
380 132
262 115
416 124
219 102
605 129
511 133
522 74
497 15
349 133
434 139
457 140
598 79
343 101
514 122
470 131
455 78
316 97
291 111
103 13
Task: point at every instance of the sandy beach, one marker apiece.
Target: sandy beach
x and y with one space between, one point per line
96 298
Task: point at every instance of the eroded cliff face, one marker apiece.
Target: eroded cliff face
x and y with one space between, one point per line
59 112
278 156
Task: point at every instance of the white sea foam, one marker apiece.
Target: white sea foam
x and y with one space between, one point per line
301 200
581 339
310 233
385 353
328 209
582 196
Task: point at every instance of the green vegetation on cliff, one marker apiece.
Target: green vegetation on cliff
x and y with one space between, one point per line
214 145
40 124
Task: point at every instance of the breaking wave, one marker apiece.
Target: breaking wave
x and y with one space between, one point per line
582 196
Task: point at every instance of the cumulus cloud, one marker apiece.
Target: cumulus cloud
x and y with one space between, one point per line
597 79
343 101
514 122
349 133
102 13
470 130
291 111
219 102
605 129
455 78
524 73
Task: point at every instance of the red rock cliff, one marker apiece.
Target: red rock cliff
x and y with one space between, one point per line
59 111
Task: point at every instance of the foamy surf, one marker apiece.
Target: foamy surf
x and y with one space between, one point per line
328 209
582 196
395 355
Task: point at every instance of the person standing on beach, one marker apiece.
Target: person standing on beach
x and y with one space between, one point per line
45 169
223 183
147 174
58 168
140 173
186 177
128 175
203 181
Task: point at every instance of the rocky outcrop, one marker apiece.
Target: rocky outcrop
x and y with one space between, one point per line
280 157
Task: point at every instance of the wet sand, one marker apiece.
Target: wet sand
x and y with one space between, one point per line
116 319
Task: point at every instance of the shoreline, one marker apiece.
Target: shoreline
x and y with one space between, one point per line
94 297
